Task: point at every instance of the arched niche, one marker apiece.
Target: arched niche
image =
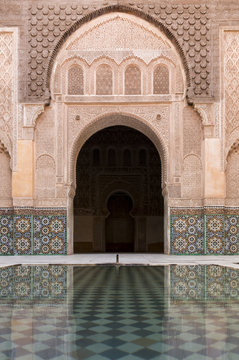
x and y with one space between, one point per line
108 35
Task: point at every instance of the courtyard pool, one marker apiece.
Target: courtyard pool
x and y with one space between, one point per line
119 312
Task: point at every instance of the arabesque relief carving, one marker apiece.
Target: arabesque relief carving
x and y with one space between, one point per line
49 26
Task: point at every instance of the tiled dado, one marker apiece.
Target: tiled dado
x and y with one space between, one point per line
37 233
204 231
197 282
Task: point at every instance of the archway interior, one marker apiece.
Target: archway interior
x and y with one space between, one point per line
119 225
118 206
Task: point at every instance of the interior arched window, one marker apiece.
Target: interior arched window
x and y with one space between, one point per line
127 161
75 81
161 80
111 157
132 80
104 80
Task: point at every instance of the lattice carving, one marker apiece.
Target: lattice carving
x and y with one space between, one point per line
232 174
191 179
6 85
132 80
45 133
161 80
192 132
104 80
48 23
45 177
75 81
231 86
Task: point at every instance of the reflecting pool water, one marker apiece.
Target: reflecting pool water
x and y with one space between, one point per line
128 313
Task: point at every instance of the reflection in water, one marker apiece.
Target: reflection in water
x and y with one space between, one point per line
106 312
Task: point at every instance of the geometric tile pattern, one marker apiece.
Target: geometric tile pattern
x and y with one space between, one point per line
33 234
187 282
231 224
204 234
49 281
49 235
187 234
33 282
6 235
126 313
215 234
197 282
22 231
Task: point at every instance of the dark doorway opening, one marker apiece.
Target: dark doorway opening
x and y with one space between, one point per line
119 225
118 206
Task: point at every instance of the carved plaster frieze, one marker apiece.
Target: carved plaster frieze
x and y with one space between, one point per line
8 87
80 116
117 55
31 113
187 26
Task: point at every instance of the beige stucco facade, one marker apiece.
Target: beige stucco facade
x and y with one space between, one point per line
169 71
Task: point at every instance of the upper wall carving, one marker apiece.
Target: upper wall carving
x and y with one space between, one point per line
187 26
102 54
8 61
231 81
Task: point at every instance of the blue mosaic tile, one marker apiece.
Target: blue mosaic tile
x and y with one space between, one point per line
22 234
49 281
15 282
215 282
195 282
187 282
187 234
231 283
6 285
231 226
49 235
215 234
33 234
33 282
6 235
22 279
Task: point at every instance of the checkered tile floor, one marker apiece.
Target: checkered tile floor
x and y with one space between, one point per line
126 313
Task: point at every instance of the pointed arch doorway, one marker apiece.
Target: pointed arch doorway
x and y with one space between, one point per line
118 205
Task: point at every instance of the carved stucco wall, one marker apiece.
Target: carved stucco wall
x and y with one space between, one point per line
231 80
105 41
230 39
45 177
192 164
188 26
8 106
8 85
